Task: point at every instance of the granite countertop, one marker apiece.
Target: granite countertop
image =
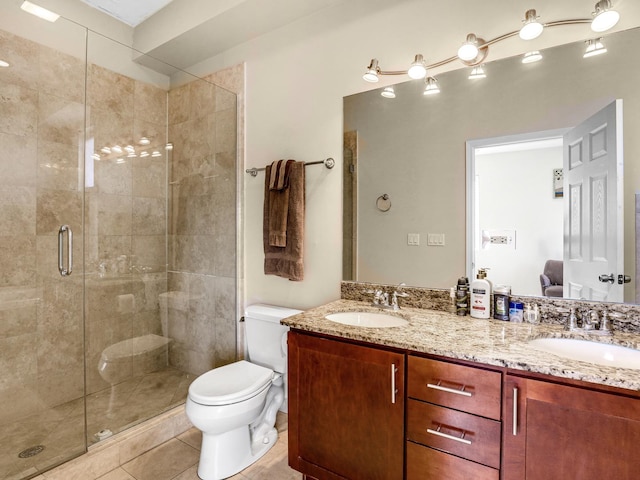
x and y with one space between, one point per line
491 342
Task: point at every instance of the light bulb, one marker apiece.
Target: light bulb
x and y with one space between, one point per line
371 75
431 87
388 92
594 47
531 57
469 49
531 28
477 72
417 69
605 17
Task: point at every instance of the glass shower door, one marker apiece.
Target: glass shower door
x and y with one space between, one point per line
42 113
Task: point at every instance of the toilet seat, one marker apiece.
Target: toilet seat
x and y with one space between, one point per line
231 383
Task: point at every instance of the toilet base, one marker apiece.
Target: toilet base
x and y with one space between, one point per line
222 456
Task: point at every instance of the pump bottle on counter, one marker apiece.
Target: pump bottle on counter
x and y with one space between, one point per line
480 295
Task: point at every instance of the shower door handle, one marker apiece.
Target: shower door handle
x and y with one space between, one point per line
69 244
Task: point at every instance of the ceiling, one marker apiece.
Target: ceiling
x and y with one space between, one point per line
130 12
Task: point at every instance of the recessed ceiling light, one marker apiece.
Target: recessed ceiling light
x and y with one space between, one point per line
39 11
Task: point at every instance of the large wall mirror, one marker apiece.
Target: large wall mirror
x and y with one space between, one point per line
436 186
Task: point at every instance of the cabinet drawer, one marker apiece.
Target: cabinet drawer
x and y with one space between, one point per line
464 388
462 434
424 463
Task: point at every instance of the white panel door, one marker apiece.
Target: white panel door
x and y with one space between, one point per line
593 209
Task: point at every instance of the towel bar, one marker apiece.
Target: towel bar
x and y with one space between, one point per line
327 162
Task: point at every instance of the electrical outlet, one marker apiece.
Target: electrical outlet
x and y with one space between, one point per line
499 239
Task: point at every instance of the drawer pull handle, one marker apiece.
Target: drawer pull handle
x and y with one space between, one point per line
460 391
394 390
515 411
460 439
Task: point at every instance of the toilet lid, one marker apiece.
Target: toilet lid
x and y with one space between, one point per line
230 384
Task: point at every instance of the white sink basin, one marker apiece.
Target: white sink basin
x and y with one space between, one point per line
587 351
367 319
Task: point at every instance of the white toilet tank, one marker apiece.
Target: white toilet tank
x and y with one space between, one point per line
266 338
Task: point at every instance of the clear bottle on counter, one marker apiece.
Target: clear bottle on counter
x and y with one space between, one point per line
501 302
516 312
462 296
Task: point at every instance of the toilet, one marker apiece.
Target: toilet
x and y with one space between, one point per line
235 406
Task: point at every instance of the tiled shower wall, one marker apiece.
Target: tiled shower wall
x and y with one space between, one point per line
202 225
41 133
126 228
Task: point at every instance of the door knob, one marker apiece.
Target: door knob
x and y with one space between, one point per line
623 279
604 278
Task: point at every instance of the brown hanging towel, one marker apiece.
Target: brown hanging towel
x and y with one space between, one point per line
283 224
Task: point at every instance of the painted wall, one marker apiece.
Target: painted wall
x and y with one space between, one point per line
296 78
514 188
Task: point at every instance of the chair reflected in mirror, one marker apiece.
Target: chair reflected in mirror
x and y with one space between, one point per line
551 279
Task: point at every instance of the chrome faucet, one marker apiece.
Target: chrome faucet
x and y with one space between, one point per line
381 298
591 323
397 293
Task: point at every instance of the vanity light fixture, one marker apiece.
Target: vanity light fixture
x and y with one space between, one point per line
605 17
371 75
474 50
417 69
39 11
105 150
96 156
144 141
388 92
129 149
477 72
116 149
594 47
531 57
4 64
431 86
168 146
144 154
156 154
531 28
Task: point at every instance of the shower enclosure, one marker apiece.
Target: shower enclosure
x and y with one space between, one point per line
117 238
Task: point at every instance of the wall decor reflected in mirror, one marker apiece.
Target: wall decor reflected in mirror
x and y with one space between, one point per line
466 193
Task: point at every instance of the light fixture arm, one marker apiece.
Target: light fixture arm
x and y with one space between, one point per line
483 46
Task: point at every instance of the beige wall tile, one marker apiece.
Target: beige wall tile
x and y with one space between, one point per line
22 55
60 120
61 74
18 160
18 110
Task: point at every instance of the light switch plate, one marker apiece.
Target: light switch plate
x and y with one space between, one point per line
435 239
413 239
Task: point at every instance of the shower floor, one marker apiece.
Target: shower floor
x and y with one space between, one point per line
61 429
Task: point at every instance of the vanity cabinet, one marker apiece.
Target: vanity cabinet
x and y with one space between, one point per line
346 409
563 431
453 421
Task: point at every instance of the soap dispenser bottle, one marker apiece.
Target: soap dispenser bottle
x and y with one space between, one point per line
480 293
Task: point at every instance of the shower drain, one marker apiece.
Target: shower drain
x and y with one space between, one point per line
31 451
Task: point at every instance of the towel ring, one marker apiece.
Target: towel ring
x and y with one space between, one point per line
383 203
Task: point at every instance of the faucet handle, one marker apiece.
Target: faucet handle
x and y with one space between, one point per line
605 326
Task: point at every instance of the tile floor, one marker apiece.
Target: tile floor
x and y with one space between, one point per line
177 459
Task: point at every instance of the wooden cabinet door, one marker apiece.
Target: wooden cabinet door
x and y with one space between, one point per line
346 409
558 431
